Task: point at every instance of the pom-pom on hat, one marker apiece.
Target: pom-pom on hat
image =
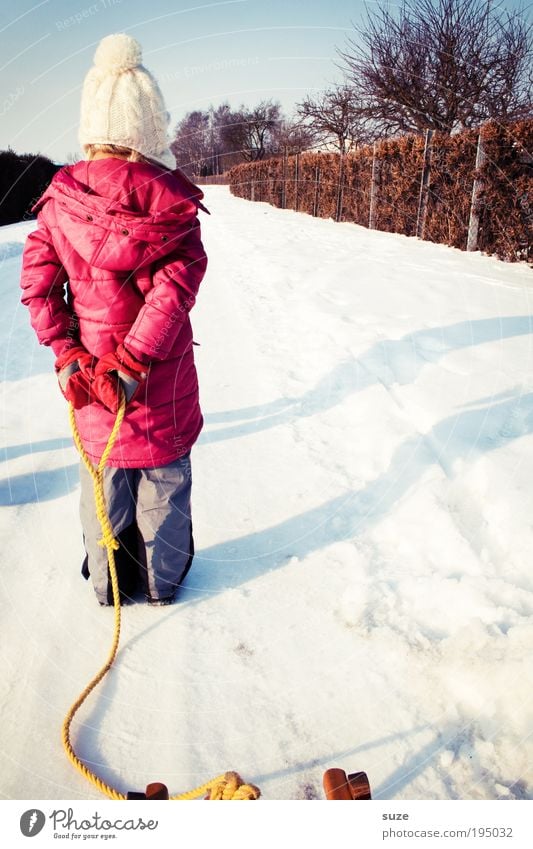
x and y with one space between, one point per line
122 104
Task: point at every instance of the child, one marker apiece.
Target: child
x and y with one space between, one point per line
120 232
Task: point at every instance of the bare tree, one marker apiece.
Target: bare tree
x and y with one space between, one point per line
334 117
192 143
441 64
200 144
221 155
250 131
291 136
211 141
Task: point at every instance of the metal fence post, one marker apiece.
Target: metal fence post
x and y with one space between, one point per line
284 178
340 190
424 186
317 189
373 190
473 223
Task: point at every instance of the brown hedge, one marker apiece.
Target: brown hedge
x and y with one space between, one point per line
324 185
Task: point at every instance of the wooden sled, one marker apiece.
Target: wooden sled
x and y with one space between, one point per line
337 785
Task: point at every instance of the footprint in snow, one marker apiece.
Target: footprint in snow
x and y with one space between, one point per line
243 651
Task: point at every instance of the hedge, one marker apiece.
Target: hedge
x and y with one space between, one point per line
328 186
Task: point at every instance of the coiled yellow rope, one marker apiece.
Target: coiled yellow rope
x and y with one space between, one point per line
228 786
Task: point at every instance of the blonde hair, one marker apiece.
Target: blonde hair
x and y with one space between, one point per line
114 150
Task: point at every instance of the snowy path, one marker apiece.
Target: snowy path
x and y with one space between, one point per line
362 595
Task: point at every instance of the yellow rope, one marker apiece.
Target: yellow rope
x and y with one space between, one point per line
228 786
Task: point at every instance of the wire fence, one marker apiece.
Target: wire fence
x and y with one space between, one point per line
212 180
473 190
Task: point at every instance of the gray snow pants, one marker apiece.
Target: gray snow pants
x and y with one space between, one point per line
150 511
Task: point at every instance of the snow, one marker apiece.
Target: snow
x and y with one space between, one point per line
362 594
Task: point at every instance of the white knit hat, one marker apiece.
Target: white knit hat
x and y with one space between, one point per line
121 102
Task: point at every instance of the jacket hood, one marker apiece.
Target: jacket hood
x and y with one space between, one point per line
134 214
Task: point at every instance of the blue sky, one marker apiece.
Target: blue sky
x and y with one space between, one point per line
201 52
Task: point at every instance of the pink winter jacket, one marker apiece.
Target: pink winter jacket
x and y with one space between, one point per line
117 257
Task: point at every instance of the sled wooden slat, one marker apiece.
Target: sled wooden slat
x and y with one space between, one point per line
339 786
359 785
156 790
